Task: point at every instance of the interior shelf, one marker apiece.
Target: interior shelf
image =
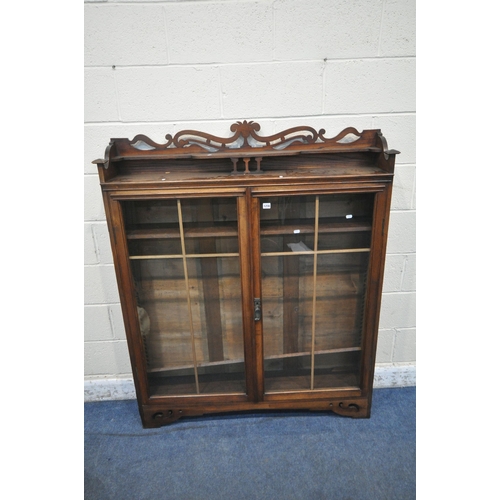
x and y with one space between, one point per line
280 383
331 225
201 364
172 231
181 386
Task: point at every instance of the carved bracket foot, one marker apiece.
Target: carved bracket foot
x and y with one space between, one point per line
162 417
354 408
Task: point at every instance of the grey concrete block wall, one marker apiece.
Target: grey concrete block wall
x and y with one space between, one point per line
157 67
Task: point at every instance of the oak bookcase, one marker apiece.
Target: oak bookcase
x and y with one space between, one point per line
250 267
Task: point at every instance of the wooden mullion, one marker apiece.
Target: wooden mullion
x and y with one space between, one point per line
315 267
188 296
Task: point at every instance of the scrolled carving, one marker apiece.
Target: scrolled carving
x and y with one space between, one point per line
245 138
343 137
277 141
140 140
163 417
353 408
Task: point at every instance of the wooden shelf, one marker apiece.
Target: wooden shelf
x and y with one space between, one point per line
299 354
331 225
319 252
202 364
285 383
199 365
208 385
172 232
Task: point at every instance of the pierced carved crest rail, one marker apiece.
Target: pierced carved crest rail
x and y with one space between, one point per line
246 144
245 137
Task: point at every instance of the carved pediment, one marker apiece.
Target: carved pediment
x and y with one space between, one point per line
245 137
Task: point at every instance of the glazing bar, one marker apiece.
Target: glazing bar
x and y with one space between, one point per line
188 256
315 266
186 280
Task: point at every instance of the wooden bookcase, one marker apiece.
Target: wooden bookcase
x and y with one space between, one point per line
249 268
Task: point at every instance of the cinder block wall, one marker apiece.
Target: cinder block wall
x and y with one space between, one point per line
156 67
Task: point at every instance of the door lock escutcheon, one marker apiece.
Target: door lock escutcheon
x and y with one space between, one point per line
257 310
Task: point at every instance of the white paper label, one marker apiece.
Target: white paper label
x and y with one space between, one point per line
266 205
348 216
296 231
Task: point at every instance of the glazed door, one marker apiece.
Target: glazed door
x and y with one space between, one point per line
314 259
186 266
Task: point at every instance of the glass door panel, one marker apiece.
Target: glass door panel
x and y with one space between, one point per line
164 320
314 259
286 304
185 261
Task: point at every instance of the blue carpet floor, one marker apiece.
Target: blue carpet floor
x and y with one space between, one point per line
266 456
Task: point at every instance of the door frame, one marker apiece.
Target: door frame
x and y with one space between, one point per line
381 191
124 276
